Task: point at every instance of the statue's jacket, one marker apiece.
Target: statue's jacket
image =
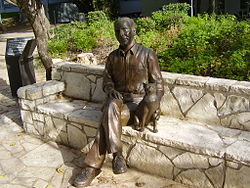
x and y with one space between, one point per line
126 72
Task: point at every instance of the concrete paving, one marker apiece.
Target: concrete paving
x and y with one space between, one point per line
27 162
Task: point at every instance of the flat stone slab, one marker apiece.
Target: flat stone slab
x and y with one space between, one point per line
210 140
199 138
77 111
47 155
184 135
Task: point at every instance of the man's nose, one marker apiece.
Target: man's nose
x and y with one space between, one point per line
121 33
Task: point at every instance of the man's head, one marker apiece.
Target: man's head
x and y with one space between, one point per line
125 30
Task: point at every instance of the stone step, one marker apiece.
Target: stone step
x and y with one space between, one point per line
185 151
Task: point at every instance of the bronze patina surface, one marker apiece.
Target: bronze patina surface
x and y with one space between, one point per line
128 69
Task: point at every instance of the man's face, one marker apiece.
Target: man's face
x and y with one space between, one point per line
124 33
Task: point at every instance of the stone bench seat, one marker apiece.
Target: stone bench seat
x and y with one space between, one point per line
195 137
179 147
76 111
203 137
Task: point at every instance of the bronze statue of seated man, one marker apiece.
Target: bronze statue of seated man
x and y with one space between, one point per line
127 70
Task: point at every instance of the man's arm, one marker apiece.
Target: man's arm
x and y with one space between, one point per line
108 84
107 79
155 73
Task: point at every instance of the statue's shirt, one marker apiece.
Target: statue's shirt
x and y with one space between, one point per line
126 72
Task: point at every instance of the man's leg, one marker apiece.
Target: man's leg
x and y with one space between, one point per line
108 139
96 155
93 161
112 125
113 130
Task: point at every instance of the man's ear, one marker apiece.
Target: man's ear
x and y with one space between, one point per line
133 31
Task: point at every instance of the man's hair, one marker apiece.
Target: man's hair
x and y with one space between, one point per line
128 20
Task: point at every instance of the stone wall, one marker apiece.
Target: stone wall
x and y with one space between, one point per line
31 96
214 101
47 114
82 81
203 137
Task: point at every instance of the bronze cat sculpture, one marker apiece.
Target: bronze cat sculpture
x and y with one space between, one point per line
148 109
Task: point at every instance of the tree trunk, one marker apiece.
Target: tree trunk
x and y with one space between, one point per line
34 11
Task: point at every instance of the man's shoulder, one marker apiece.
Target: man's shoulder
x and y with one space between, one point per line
138 48
144 49
113 53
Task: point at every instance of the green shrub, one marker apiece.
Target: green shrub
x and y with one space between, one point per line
166 19
158 40
144 25
96 16
61 43
171 15
58 47
206 45
77 37
210 46
177 7
81 41
151 39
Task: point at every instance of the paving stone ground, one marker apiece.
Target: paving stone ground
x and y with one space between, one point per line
27 162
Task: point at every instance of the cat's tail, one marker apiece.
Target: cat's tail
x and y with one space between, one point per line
136 121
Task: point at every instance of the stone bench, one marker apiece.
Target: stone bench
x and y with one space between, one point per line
203 136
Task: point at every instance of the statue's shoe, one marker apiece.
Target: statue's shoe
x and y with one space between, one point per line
86 177
119 165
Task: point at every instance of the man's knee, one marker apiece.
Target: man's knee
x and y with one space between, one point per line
119 108
114 104
125 115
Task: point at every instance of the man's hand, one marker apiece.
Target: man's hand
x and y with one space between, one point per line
112 93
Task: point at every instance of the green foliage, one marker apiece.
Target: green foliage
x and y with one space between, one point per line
77 37
215 46
171 15
57 47
82 41
145 24
177 7
151 39
96 16
207 45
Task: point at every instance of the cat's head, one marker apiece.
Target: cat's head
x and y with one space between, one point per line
149 88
